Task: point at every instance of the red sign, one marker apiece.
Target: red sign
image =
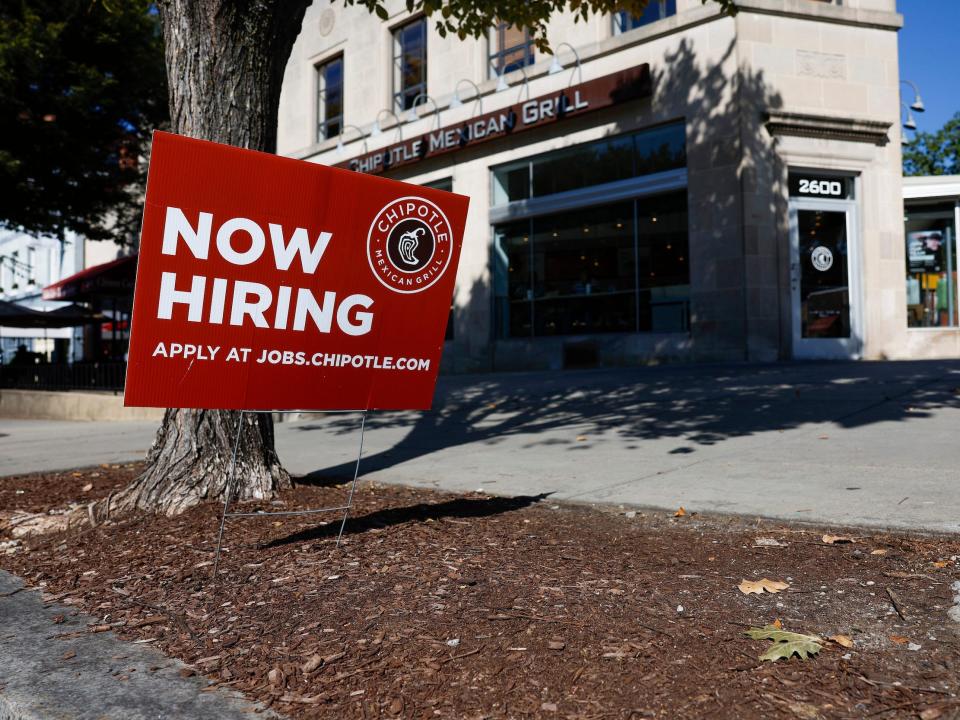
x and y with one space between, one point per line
266 283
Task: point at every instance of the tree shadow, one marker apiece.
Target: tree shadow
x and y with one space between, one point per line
697 405
421 512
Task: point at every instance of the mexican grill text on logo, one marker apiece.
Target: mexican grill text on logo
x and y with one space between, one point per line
265 283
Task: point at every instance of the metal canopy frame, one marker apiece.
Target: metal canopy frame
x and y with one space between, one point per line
233 465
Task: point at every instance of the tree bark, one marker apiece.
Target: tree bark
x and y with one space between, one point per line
225 61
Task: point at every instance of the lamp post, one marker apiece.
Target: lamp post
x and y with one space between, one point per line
556 66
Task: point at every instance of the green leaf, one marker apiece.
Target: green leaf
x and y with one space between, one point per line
786 650
381 12
786 644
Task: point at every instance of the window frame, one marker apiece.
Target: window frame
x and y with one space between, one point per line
496 52
399 93
324 122
620 19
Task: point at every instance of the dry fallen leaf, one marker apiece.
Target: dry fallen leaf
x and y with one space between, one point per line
757 587
767 542
556 645
931 713
87 488
878 552
786 644
900 639
581 438
681 512
941 563
69 654
837 539
777 624
843 640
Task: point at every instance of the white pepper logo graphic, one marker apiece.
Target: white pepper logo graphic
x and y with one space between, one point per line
408 245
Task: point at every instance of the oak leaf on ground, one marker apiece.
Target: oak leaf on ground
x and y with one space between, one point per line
786 644
758 587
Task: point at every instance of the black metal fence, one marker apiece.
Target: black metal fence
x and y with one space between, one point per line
76 376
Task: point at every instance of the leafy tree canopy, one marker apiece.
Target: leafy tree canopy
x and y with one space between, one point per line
473 18
82 84
936 153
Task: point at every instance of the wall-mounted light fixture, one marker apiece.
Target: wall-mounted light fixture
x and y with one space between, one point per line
525 85
556 66
456 102
909 123
340 138
412 112
376 131
917 104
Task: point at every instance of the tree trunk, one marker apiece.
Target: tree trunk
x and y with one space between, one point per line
225 61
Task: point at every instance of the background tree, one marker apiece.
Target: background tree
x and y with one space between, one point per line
936 153
225 61
82 84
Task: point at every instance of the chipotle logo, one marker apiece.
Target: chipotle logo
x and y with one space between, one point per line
409 245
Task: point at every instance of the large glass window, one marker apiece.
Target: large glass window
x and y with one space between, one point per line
329 99
931 265
655 10
409 63
510 49
617 158
615 268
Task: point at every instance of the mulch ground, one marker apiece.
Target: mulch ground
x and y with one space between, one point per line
484 607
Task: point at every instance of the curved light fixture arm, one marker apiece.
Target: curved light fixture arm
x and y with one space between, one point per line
457 101
362 137
525 85
376 123
909 123
578 68
917 104
412 116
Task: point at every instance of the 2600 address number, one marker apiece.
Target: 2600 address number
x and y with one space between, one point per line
821 187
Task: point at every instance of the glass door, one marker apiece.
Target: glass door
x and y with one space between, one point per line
823 280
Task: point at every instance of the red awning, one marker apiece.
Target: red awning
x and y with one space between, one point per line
111 279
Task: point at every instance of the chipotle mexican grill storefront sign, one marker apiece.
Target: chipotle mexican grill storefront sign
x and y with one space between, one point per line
573 101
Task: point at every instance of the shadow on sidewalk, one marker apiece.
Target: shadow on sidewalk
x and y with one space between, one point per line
695 405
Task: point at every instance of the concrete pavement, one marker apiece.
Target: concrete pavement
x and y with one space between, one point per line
52 671
847 443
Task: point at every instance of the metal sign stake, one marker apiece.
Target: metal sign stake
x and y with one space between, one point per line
228 492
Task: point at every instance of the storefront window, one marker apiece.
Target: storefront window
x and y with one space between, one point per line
618 158
615 268
931 265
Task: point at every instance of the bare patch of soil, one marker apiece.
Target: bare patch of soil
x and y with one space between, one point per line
478 606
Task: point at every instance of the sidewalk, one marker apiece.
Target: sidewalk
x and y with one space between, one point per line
54 669
847 443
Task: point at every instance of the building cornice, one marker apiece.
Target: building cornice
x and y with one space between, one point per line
824 12
825 127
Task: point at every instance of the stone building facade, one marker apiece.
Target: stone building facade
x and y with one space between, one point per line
681 186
